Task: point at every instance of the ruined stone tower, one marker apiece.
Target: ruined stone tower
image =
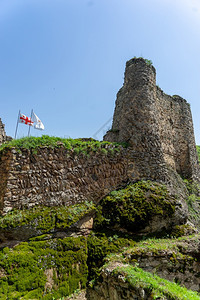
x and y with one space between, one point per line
158 127
2 133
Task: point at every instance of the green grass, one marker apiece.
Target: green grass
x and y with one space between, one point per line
178 246
78 145
125 265
154 285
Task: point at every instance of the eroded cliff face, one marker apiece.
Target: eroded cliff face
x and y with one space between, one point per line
150 270
158 127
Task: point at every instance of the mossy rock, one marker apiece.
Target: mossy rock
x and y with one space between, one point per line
43 269
130 282
183 230
100 245
23 224
143 207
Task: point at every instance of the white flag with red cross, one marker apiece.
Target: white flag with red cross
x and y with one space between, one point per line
25 120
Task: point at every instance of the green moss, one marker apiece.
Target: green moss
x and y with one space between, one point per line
193 201
192 187
133 207
99 246
182 230
46 219
28 267
156 246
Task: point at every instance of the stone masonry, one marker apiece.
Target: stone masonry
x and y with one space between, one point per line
55 177
2 133
158 127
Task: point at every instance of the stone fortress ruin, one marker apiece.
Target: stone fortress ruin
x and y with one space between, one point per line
158 127
159 132
3 137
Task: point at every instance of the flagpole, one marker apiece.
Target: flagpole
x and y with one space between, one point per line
30 125
17 124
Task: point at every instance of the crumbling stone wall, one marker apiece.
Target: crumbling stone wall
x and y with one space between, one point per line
158 127
2 133
57 176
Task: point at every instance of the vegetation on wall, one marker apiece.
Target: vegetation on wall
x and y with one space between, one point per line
193 201
148 61
84 146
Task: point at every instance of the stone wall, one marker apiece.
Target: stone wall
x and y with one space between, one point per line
2 133
158 127
57 176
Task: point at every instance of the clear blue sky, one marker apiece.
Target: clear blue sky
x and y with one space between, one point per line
66 58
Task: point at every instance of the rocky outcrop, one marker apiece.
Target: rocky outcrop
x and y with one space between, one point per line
141 208
141 272
55 222
174 260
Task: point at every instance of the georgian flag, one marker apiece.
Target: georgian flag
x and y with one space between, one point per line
38 124
25 120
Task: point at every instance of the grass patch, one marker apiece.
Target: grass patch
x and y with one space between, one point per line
154 246
155 286
84 146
